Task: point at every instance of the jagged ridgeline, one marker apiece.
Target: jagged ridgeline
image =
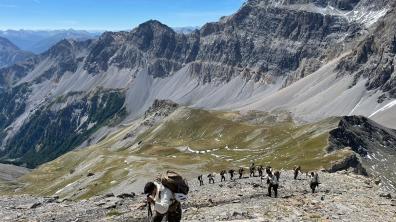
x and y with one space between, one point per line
301 64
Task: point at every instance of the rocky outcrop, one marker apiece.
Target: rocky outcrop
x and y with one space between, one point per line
351 161
362 135
375 144
162 107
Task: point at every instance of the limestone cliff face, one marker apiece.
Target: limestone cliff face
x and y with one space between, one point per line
375 57
260 41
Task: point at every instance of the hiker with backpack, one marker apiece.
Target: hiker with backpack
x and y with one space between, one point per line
314 183
164 197
240 171
252 170
222 174
260 170
274 183
268 170
231 172
200 179
211 178
297 170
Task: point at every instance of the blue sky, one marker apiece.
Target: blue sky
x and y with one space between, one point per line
110 14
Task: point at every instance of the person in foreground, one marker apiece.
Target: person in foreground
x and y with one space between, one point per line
164 197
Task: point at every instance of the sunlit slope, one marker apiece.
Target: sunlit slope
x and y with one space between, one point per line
232 139
189 140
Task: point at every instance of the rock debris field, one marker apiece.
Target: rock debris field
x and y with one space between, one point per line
341 197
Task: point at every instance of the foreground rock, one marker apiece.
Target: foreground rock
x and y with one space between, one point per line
341 197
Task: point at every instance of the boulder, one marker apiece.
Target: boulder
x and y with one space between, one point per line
386 195
126 195
109 195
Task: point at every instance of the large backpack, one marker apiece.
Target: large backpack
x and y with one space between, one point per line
174 182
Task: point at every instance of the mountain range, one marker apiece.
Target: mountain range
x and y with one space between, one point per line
40 41
304 60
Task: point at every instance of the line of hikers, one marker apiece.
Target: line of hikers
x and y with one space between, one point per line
164 196
272 177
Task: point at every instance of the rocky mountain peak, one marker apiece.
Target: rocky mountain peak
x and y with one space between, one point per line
61 49
153 26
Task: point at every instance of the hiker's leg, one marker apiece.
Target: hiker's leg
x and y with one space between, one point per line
157 217
276 190
176 215
269 189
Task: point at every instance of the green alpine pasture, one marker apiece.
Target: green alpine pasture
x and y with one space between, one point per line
191 141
